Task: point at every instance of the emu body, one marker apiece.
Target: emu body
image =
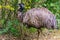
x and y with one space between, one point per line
38 17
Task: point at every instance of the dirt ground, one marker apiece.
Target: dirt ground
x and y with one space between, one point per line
53 35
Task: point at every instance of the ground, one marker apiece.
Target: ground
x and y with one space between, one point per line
53 35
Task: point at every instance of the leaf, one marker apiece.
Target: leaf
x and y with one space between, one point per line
51 4
2 21
0 6
32 30
37 0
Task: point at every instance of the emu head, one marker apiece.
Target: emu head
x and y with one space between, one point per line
21 5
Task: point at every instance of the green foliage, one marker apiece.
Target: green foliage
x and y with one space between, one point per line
58 22
2 21
8 9
14 31
10 28
32 30
5 30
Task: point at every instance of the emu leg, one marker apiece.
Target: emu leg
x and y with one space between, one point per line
38 34
42 32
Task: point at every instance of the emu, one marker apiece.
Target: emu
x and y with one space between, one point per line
38 18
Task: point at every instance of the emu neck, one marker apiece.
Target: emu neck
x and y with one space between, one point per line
21 16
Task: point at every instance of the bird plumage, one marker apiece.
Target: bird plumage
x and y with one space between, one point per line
40 17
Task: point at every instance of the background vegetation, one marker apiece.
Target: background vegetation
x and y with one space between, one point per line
8 14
